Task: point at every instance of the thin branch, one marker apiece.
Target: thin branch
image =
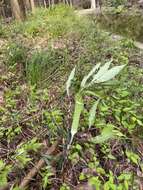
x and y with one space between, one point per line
37 167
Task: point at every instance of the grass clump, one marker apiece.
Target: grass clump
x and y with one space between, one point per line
3 30
43 64
16 53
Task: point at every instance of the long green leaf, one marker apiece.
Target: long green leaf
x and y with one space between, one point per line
102 70
76 117
93 70
110 74
92 113
69 81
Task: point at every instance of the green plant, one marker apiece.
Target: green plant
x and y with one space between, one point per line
3 30
21 154
4 171
133 157
17 54
64 187
42 64
46 174
95 182
98 75
117 3
106 153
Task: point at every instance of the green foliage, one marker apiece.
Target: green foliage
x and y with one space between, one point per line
64 187
4 171
69 81
103 75
46 174
3 30
133 157
39 65
53 120
95 182
76 117
92 113
16 54
106 152
125 23
106 134
53 54
54 22
22 156
86 78
116 3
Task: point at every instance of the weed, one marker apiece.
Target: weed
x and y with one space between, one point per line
43 64
16 55
4 171
3 30
94 77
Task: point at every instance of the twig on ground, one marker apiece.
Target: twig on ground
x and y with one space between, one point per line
37 167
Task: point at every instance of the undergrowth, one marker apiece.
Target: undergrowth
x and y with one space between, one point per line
81 42
35 111
55 22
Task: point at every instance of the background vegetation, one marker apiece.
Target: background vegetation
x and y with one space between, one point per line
37 57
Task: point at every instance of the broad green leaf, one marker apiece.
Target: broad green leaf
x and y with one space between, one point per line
92 113
95 68
69 81
133 157
102 71
106 134
110 74
95 183
76 117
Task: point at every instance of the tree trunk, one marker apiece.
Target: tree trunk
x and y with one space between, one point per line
18 9
93 4
32 5
71 3
45 4
7 8
27 5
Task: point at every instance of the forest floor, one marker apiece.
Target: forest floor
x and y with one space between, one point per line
36 114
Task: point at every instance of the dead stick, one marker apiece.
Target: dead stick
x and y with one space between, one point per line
37 167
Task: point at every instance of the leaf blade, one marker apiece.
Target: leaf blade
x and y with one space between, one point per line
92 113
76 117
69 81
110 74
93 70
102 70
106 134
